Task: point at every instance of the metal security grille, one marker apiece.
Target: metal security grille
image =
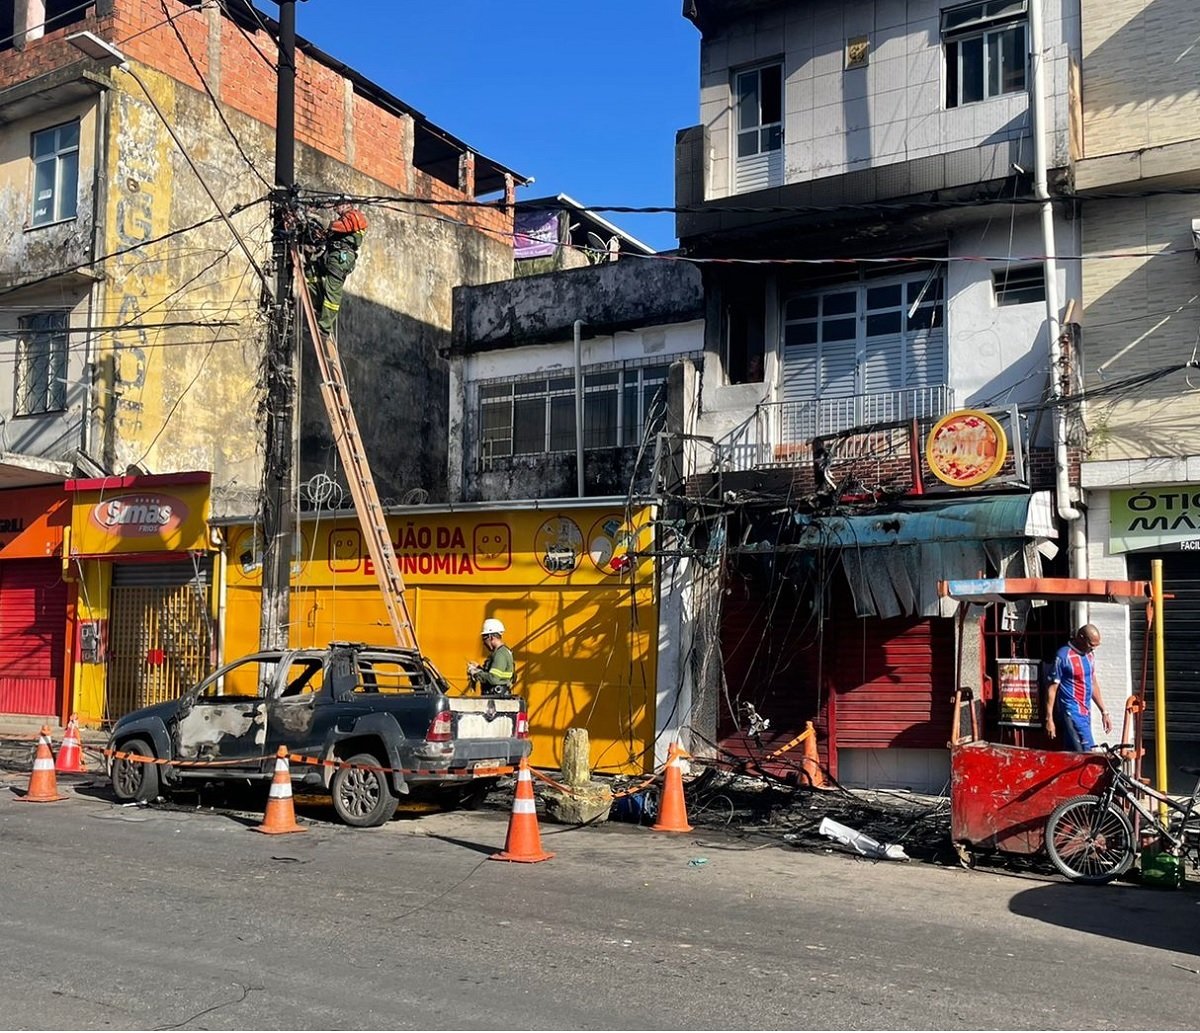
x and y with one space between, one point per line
160 638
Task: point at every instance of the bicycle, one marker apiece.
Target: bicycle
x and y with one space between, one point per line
1092 839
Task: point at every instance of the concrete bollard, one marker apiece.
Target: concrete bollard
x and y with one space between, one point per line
586 801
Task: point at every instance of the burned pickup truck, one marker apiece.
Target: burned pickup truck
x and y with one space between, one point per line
369 707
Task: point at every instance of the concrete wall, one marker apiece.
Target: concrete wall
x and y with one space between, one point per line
171 398
32 253
1137 318
837 120
1140 82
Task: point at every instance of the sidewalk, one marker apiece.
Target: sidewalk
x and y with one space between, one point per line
18 740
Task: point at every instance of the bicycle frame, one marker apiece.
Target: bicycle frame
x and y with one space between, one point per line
1136 794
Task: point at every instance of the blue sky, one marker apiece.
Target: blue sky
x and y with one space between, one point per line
583 95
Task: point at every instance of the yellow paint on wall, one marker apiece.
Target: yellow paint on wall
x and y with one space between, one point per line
583 631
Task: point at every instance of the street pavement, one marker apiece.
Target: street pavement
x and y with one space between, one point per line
182 918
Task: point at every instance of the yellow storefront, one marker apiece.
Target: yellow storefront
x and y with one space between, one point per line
140 551
581 615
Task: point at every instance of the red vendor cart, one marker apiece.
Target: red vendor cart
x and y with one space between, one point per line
1000 794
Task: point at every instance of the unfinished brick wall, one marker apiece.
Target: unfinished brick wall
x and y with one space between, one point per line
373 139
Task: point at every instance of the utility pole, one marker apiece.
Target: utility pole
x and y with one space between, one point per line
278 514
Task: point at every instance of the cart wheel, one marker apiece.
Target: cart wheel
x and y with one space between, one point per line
966 856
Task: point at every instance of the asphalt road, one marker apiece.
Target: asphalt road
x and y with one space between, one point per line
184 919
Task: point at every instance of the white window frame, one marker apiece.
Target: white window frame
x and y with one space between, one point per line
989 22
58 201
645 379
762 166
43 339
1019 285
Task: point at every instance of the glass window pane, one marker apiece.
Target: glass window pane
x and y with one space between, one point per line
43 143
68 185
799 333
529 426
68 135
650 373
772 94
801 308
600 420
600 379
562 384
952 75
1013 46
994 64
883 323
654 409
747 144
495 391
530 387
630 414
926 317
883 297
971 70
839 329
748 100
43 192
562 424
772 138
836 304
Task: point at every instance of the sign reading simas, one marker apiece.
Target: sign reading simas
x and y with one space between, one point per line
144 515
1159 519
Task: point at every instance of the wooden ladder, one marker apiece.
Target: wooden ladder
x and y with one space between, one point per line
371 517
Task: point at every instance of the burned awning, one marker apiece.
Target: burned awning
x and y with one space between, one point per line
894 560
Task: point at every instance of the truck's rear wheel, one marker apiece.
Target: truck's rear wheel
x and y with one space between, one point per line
362 797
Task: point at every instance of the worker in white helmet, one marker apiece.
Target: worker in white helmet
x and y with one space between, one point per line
495 675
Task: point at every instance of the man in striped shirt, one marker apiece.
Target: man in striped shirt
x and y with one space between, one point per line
1073 689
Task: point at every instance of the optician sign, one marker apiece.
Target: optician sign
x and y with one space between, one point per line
1155 519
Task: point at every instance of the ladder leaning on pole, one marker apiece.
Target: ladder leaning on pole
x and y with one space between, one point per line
358 472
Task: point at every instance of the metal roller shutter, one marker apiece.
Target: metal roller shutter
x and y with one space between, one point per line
33 637
893 682
1181 579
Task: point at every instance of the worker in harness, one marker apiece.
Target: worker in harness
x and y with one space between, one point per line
333 254
495 675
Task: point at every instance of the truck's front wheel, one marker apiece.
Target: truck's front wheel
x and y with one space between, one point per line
362 795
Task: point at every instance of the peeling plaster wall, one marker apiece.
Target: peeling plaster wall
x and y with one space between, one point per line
30 253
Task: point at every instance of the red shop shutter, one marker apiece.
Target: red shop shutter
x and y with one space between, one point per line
893 682
33 617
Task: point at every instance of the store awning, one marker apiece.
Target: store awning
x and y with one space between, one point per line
1004 590
894 561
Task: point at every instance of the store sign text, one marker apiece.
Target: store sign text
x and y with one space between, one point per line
139 516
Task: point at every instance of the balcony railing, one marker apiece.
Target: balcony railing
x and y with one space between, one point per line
781 433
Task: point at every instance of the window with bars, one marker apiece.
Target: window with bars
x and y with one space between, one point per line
533 416
42 364
55 153
987 50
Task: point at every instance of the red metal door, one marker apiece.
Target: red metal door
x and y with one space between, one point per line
33 621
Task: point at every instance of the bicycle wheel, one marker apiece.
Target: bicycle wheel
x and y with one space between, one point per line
1088 844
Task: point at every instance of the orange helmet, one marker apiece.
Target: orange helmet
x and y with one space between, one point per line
349 220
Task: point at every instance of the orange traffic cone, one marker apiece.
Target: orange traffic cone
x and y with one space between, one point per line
811 764
281 813
70 754
43 787
672 811
523 842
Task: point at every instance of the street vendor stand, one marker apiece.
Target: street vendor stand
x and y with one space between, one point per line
1001 794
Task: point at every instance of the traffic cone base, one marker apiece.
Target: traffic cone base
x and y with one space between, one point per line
672 810
280 816
523 843
43 786
70 755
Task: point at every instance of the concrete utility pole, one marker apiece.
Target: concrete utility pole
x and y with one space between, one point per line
278 515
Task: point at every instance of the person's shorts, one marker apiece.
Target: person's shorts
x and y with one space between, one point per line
1075 731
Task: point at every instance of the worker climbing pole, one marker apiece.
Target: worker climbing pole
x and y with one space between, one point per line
332 254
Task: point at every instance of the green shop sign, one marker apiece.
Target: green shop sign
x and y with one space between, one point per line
1162 519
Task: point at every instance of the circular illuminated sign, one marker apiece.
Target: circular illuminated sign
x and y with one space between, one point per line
965 448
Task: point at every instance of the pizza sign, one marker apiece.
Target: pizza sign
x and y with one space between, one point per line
966 448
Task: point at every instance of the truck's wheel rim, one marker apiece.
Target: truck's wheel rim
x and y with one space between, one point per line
360 793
